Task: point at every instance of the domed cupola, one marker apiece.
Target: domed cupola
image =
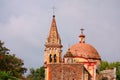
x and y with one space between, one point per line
68 54
84 50
68 57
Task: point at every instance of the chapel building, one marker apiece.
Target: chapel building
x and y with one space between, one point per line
80 62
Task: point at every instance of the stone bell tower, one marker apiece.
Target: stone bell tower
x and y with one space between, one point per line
52 53
53 45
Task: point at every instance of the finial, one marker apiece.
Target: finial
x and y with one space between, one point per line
82 30
53 11
82 36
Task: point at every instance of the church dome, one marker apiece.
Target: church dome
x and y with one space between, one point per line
84 50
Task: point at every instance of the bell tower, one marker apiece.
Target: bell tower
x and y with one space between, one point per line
53 45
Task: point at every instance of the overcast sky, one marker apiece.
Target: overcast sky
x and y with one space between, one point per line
25 24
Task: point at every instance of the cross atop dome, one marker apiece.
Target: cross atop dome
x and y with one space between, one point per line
82 30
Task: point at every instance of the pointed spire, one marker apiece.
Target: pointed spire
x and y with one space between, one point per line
82 36
53 38
53 35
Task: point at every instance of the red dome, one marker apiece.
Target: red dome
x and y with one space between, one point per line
84 50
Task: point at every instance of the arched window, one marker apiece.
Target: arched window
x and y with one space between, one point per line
55 58
50 58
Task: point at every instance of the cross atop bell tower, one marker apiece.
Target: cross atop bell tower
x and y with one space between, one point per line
53 10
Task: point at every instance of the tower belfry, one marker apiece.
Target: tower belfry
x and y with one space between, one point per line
53 45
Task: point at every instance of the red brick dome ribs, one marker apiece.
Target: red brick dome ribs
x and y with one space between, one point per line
84 50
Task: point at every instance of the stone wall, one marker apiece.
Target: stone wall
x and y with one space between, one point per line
66 72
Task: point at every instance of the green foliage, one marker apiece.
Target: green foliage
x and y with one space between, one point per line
6 76
117 65
10 63
37 74
106 65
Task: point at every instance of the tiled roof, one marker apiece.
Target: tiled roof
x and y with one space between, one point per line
84 50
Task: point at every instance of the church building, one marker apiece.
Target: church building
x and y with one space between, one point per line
80 62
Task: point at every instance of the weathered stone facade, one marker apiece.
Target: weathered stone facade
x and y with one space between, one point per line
67 72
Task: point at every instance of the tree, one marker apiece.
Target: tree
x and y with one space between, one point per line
6 76
104 65
10 63
37 74
117 65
